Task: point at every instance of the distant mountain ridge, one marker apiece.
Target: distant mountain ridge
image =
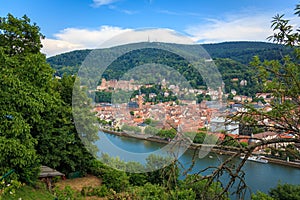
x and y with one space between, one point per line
242 52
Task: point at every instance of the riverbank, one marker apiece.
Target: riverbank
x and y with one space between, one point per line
194 146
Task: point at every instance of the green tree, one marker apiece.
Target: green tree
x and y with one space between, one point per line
115 179
285 192
18 36
151 130
187 194
35 110
75 155
17 148
261 196
198 185
162 171
167 133
25 92
150 191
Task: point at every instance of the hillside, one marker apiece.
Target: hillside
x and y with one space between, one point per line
244 51
231 58
239 51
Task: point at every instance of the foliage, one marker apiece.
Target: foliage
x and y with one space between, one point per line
201 97
199 137
198 185
103 97
182 194
243 52
149 121
280 192
231 58
134 129
153 191
115 179
82 124
66 194
150 191
68 63
36 121
100 191
167 133
36 125
162 171
26 192
17 149
280 78
230 141
151 130
24 84
230 70
261 196
159 172
285 192
8 188
18 36
137 179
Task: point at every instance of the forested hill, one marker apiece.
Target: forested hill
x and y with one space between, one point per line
230 57
68 62
242 52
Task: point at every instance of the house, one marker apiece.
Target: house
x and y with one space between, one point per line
272 135
243 83
218 124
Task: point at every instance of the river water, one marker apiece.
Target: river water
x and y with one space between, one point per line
258 176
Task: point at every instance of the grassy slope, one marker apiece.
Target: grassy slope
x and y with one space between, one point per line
29 193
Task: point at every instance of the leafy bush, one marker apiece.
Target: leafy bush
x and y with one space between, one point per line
151 130
150 192
100 191
261 196
9 187
66 194
187 194
286 192
115 179
195 183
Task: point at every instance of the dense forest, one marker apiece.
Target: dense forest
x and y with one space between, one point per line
231 58
240 51
243 52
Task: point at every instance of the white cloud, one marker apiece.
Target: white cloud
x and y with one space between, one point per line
89 38
233 28
107 36
73 38
52 47
98 3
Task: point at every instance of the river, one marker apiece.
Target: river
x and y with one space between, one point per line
258 176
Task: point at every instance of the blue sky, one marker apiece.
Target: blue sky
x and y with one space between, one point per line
80 24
